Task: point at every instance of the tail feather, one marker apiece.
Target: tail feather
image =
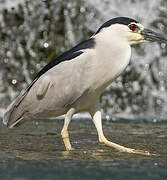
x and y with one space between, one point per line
14 112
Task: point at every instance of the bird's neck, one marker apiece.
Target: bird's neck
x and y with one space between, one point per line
112 58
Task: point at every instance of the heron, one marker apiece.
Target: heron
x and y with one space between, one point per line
74 81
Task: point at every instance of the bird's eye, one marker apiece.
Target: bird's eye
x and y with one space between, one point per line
133 27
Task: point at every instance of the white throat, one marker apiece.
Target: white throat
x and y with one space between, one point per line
113 55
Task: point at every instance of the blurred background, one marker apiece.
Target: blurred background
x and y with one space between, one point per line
32 33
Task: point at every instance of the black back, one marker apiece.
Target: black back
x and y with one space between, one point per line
68 55
117 20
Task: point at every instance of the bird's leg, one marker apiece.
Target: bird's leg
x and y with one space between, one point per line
96 116
64 132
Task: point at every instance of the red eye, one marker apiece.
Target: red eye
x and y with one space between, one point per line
133 27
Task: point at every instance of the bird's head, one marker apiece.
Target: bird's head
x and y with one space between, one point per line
129 30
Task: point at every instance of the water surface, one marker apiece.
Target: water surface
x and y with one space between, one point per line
36 151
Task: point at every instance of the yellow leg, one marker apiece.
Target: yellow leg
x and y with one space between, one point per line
64 132
96 116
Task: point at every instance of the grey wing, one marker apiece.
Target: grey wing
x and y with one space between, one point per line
62 86
54 91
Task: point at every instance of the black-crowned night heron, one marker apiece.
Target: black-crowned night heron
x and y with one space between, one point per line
74 81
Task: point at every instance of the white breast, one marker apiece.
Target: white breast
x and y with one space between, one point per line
112 57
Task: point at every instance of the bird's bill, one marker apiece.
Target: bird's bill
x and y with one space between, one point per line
150 35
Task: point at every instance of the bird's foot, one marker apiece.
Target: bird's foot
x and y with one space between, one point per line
67 152
70 149
134 151
67 143
125 149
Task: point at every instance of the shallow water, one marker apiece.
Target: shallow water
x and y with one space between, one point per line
35 151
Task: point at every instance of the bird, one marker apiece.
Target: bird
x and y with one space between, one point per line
74 81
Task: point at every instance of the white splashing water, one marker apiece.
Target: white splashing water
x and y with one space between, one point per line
146 12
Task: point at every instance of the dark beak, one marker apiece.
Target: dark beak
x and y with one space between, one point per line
150 35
